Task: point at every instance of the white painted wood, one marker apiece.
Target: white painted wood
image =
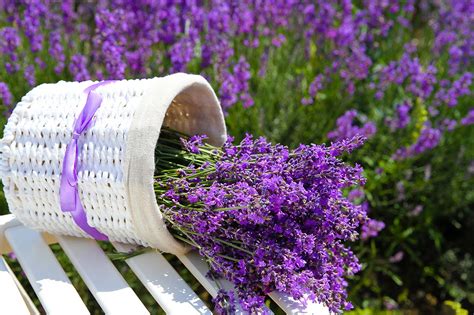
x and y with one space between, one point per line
48 279
290 306
101 277
163 282
29 303
199 268
11 299
6 221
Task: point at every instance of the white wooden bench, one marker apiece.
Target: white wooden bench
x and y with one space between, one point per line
57 295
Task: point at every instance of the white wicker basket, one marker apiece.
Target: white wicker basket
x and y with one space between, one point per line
116 153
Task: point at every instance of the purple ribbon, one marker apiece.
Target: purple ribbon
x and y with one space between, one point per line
68 191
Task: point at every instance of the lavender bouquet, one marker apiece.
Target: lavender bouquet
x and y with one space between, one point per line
263 216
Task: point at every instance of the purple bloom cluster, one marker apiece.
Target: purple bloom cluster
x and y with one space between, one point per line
346 127
371 229
8 48
403 115
469 119
5 94
124 37
428 139
450 93
265 217
420 80
454 32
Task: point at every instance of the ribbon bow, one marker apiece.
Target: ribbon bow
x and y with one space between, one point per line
68 191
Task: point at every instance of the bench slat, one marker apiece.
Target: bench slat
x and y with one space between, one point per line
101 277
199 268
48 279
26 298
163 282
290 306
12 301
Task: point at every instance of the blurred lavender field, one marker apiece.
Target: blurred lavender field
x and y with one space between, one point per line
398 72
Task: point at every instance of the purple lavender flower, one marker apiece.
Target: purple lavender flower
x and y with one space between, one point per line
468 119
224 303
30 75
5 94
347 129
416 211
371 229
10 40
403 116
56 51
356 194
8 47
307 101
428 139
316 85
34 12
192 144
78 68
459 88
264 217
397 257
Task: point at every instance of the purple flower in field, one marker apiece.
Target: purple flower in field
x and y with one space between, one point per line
235 86
307 101
5 94
448 124
56 51
40 63
416 211
10 40
428 139
459 88
242 74
402 118
356 194
78 68
130 38
316 85
468 119
30 75
452 25
418 79
346 128
397 257
34 12
371 229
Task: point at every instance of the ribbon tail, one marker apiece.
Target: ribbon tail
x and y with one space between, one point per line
79 216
